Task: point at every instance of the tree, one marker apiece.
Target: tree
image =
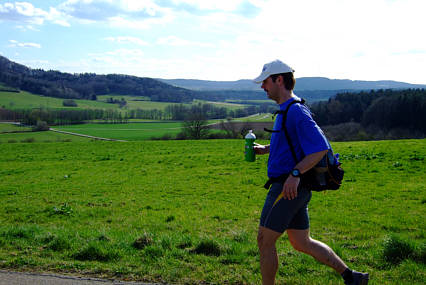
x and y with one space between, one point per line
41 126
69 103
195 126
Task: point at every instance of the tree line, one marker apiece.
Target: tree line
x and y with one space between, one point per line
177 112
376 111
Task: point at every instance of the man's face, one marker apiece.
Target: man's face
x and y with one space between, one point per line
271 88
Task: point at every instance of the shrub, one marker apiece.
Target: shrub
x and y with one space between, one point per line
208 247
165 137
143 241
153 251
58 244
65 209
69 103
170 219
23 232
28 140
41 126
395 249
96 252
420 253
185 242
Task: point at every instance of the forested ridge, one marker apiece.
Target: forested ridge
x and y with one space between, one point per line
374 114
87 85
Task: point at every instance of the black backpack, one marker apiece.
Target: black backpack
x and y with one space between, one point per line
327 174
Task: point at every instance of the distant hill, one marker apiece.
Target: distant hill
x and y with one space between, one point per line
312 89
206 85
302 83
89 85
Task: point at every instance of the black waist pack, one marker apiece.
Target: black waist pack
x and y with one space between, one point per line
327 174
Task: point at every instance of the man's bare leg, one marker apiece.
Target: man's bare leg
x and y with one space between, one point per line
266 240
301 241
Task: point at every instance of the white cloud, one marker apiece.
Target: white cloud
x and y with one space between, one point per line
128 13
25 12
14 43
248 7
117 58
179 42
126 39
27 28
22 12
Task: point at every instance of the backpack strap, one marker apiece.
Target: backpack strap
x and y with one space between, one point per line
284 119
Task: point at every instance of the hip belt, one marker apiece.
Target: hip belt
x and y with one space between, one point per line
280 179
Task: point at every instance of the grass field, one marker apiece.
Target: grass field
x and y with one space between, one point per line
25 100
263 117
186 212
130 131
227 105
134 102
125 97
39 137
11 133
10 128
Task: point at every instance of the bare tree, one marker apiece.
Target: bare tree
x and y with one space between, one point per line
195 126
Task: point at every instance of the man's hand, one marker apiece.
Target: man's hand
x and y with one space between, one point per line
261 149
290 187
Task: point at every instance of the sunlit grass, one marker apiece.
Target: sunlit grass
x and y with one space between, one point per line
186 212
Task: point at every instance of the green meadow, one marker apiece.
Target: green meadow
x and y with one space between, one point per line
134 102
227 105
263 117
186 212
10 128
11 133
26 100
130 131
39 137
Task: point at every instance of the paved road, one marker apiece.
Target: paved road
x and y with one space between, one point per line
18 278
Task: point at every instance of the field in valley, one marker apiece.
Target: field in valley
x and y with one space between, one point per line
130 131
186 212
26 100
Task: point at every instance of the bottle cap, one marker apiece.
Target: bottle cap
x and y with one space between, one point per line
251 135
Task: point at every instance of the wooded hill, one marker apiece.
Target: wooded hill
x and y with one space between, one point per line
376 114
87 85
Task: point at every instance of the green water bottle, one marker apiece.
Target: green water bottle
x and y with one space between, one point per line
250 155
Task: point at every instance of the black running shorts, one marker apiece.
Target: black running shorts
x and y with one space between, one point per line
279 214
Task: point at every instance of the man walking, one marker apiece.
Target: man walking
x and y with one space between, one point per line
286 204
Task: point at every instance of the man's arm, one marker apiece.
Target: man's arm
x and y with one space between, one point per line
291 184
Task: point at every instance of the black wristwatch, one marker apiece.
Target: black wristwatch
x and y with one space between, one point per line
295 172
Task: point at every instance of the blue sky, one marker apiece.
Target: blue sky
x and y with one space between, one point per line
219 40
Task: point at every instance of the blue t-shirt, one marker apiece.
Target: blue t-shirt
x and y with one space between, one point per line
306 138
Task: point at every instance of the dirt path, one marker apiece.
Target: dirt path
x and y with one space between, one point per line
19 278
86 136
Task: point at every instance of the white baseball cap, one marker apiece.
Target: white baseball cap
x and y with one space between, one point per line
273 67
